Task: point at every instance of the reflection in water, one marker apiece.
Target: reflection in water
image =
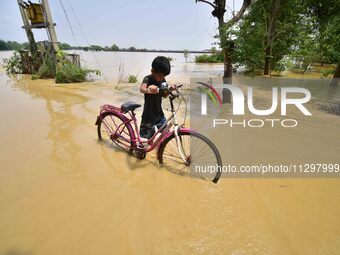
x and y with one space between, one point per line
333 94
62 121
62 192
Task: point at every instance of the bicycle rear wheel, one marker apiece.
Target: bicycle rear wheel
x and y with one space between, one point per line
202 158
112 130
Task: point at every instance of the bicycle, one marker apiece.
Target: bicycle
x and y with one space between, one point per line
179 149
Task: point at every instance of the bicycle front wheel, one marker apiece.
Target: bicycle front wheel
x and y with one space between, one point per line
191 154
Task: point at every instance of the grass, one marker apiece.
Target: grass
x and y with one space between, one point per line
120 75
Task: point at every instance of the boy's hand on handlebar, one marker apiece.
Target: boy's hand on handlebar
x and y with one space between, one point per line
153 89
167 92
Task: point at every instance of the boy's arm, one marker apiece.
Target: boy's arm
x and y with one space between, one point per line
145 89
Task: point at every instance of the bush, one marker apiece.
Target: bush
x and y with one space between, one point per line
279 67
209 58
69 73
13 64
132 78
48 68
326 73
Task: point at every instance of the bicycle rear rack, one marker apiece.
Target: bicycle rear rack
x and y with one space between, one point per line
110 108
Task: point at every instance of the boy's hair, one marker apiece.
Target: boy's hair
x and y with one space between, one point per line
161 65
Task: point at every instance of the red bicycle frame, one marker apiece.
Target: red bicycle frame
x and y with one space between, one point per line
129 120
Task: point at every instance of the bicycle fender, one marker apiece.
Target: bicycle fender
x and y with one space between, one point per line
109 108
180 130
98 120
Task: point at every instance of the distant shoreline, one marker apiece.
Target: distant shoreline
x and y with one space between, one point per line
146 51
165 51
13 45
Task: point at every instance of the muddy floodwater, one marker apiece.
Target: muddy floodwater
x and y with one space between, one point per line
63 192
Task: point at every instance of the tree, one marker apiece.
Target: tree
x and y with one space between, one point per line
280 18
219 9
3 45
327 22
64 46
305 50
267 33
114 47
14 45
96 47
332 40
25 46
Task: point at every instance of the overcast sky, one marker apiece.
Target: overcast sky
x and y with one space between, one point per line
152 24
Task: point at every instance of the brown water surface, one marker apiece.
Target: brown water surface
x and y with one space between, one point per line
62 192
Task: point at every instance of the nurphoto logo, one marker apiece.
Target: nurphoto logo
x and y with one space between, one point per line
279 95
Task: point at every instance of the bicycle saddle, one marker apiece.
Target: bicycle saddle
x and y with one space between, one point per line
129 106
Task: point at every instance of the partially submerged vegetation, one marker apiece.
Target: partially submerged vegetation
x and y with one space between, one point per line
67 72
209 58
331 108
14 64
47 69
132 78
56 66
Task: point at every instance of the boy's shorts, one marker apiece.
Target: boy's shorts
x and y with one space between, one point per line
147 130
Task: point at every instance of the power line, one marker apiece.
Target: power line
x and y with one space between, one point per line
68 21
87 41
71 28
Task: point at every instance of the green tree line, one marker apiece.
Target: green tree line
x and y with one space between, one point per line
13 45
280 34
276 35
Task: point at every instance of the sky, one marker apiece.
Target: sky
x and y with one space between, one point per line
151 24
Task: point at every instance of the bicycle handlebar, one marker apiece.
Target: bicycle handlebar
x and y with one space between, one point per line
164 86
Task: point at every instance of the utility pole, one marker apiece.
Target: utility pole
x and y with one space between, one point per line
50 26
29 13
38 16
27 27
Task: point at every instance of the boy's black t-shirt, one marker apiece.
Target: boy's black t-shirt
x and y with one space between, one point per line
152 111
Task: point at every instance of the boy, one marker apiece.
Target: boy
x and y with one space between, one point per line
153 114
